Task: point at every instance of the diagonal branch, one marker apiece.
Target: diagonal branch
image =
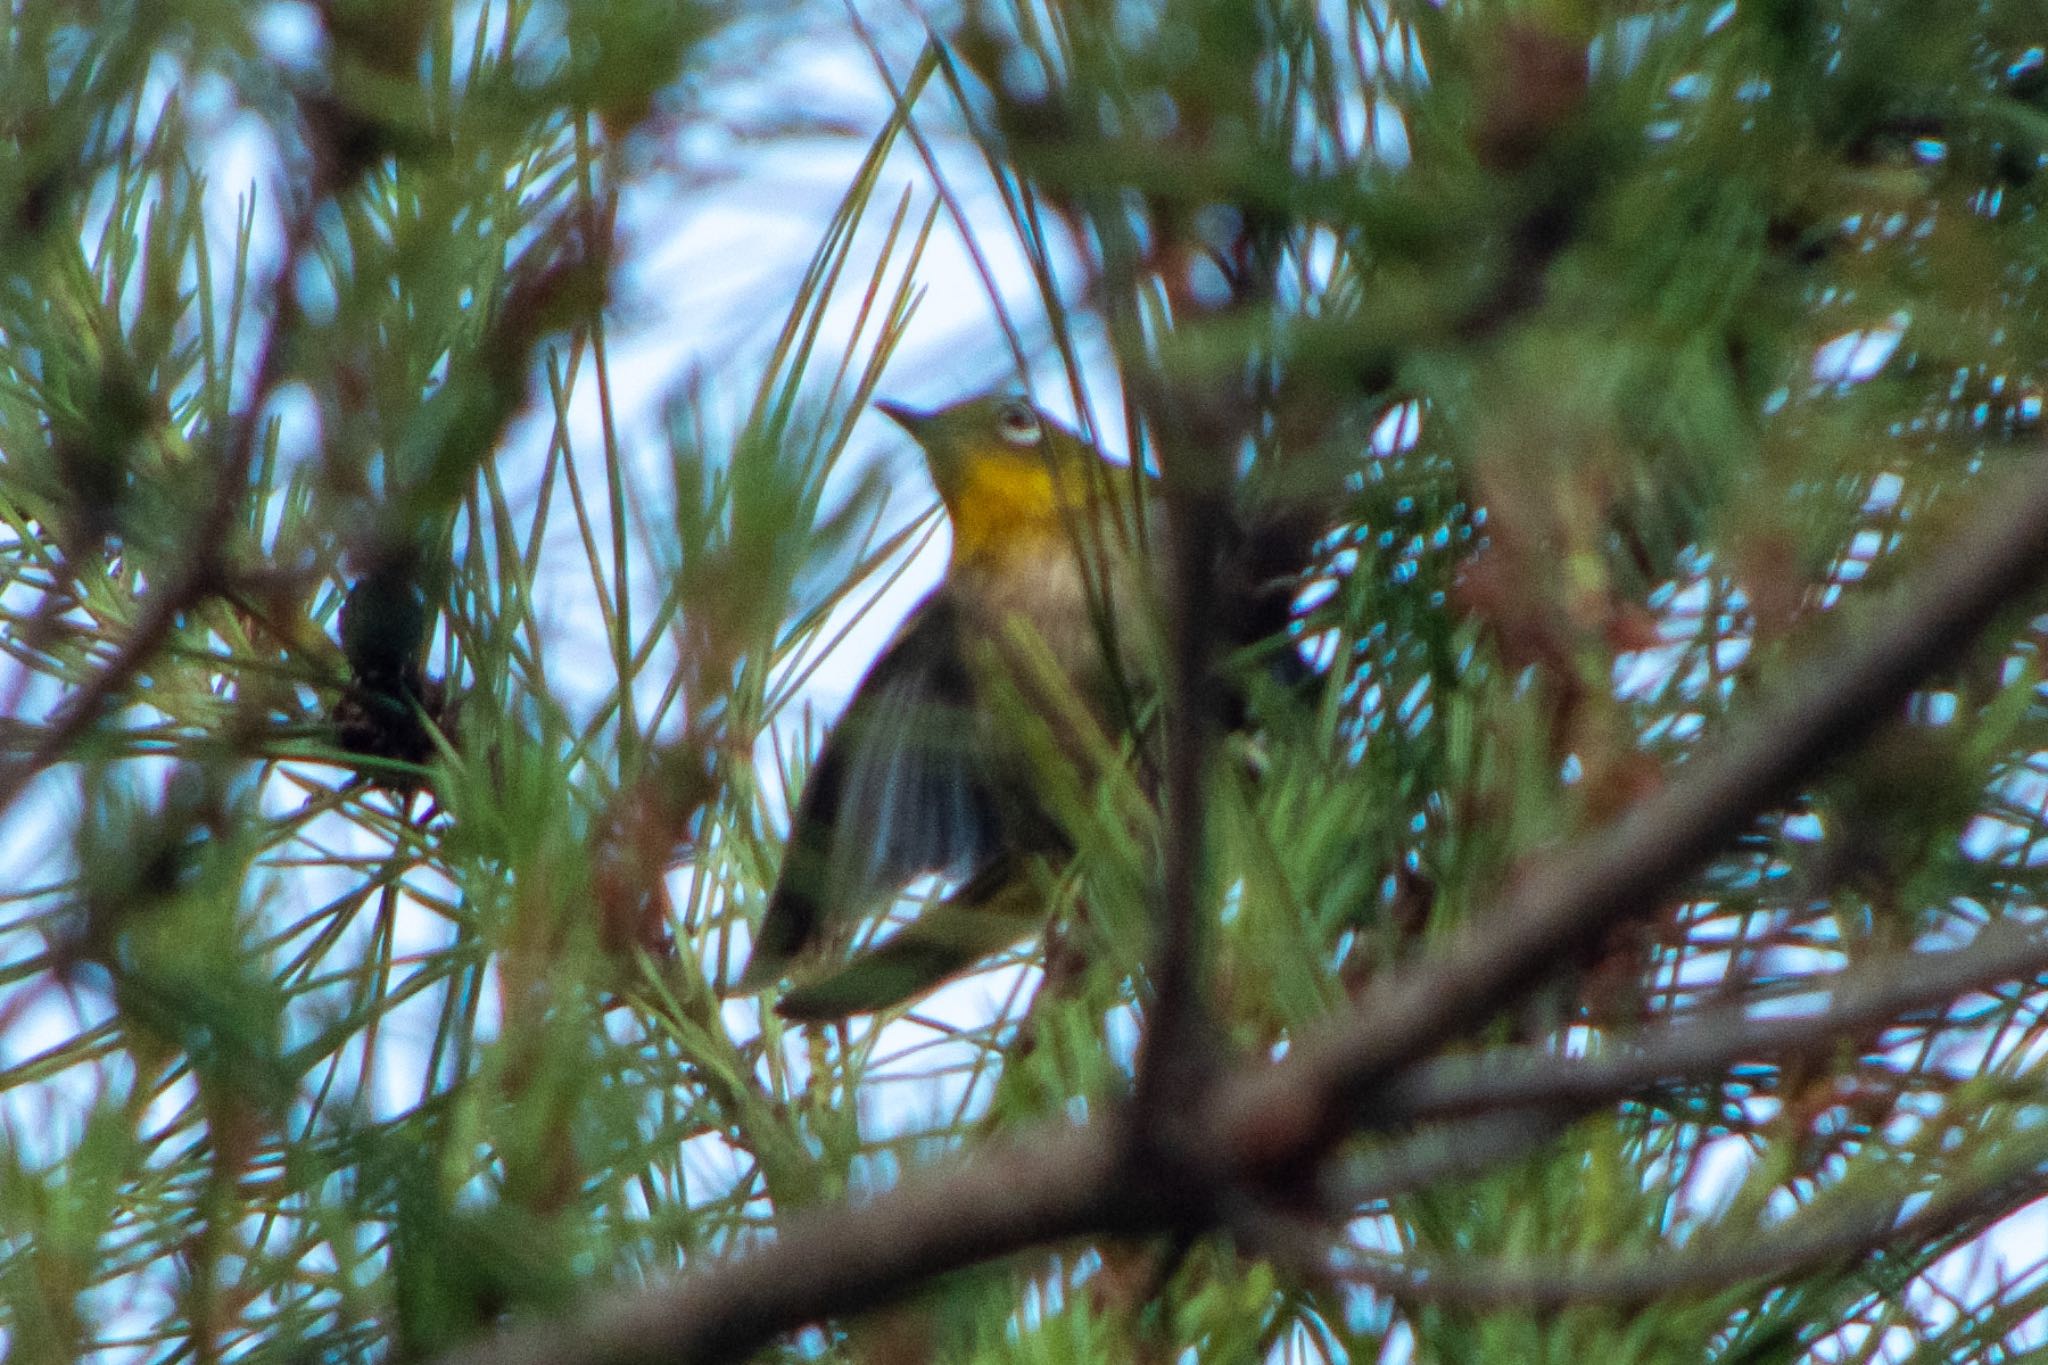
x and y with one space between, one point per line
1562 907
1862 999
1509 1100
842 1260
1857 1229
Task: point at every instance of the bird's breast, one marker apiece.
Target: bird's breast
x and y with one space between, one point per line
1074 599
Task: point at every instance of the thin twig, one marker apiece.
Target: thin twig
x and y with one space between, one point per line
205 569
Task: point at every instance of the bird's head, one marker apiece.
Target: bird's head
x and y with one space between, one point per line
1007 473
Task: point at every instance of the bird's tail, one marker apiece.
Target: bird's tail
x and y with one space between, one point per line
996 908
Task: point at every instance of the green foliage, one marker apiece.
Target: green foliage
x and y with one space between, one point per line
359 970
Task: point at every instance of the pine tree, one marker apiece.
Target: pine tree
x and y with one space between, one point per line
1607 927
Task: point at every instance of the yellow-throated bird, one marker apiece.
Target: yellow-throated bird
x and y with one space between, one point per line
918 778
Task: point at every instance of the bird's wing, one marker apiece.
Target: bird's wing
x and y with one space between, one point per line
900 790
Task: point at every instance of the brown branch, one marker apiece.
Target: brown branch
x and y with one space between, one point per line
842 1260
1177 1059
1953 1211
1268 1127
1862 999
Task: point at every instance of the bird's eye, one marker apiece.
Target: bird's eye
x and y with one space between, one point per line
1018 424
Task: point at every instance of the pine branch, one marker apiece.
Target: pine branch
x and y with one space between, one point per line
1269 1128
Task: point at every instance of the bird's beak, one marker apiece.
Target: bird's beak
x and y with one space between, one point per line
903 415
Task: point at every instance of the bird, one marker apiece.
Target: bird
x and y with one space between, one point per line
921 776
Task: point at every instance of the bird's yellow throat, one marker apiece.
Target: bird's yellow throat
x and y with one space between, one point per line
1005 505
